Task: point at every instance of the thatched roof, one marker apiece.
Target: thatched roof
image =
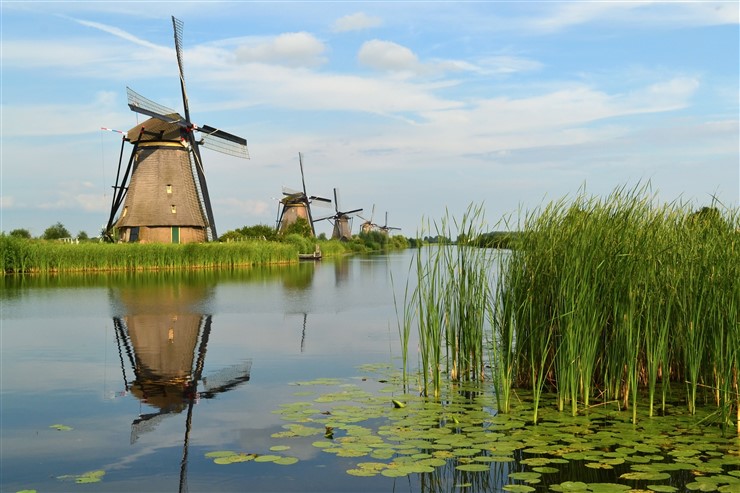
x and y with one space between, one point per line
155 130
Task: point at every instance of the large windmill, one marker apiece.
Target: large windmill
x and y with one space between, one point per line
163 188
296 205
341 220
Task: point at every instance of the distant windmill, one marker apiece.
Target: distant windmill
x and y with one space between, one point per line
385 229
167 199
341 220
368 226
296 205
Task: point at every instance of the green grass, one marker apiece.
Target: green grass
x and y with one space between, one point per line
39 256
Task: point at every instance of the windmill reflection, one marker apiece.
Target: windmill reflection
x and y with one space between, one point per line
162 341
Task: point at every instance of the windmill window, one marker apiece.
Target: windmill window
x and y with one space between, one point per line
169 189
174 209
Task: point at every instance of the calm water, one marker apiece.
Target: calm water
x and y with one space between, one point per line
146 374
111 357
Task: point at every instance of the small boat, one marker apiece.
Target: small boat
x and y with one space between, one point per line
316 255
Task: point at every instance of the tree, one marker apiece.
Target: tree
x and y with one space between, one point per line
82 236
299 227
21 233
56 231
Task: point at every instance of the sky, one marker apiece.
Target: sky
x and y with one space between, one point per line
416 110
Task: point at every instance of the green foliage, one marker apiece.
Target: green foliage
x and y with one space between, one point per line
21 233
55 232
299 227
258 231
82 236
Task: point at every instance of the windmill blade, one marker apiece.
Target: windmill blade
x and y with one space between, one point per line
336 200
140 104
218 140
353 212
177 28
320 201
324 218
226 379
303 179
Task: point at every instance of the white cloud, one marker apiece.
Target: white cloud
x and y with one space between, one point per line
387 56
299 49
356 22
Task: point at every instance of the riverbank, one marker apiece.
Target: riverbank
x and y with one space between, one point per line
21 256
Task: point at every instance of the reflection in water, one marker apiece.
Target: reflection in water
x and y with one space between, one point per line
299 277
164 340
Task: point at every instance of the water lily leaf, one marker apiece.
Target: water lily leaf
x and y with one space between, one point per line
220 453
608 487
696 486
362 472
568 486
525 476
518 488
546 470
393 472
279 448
286 461
473 467
729 488
26 491
662 488
60 427
266 458
649 476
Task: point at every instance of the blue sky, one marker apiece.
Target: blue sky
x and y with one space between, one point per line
418 108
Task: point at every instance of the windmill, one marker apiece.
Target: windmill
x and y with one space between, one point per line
385 229
163 188
368 226
296 205
341 220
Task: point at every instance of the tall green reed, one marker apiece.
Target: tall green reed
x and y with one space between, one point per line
451 302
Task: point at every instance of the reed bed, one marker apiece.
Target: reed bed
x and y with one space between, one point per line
36 256
613 300
622 300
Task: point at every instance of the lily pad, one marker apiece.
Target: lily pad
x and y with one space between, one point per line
60 427
473 467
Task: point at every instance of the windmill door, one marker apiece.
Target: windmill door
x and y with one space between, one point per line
175 234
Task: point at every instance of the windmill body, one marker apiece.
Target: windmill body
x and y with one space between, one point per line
295 205
162 194
162 203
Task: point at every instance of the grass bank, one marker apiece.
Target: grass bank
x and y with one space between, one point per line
40 256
